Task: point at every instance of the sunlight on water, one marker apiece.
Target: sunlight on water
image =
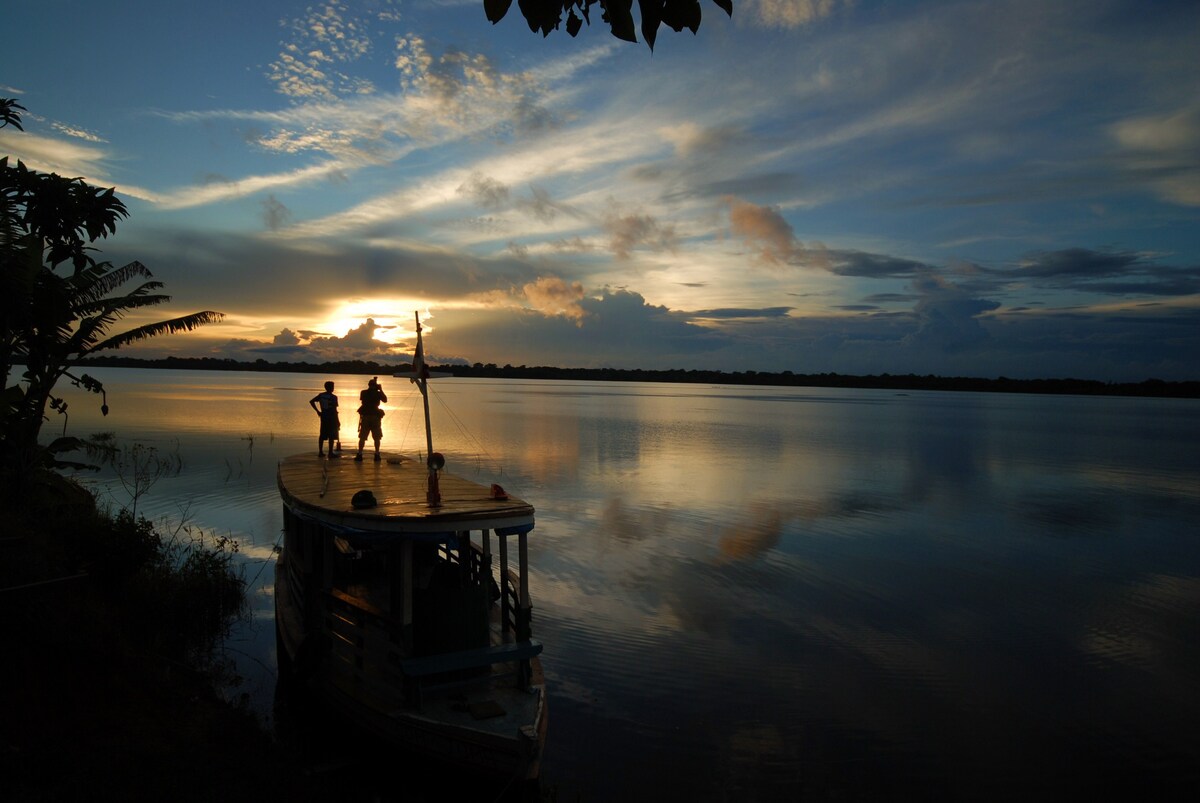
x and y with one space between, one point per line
764 591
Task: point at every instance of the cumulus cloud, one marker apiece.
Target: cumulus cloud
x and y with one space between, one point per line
619 328
551 295
948 317
361 338
359 343
764 229
286 337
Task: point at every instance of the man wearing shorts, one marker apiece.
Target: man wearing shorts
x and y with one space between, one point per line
326 405
370 417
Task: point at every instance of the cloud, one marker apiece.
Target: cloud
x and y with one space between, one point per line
629 231
1129 272
551 295
287 337
690 139
764 229
889 298
77 133
1077 262
53 155
238 188
947 316
541 205
274 277
275 214
1164 150
877 266
484 191
446 98
618 329
788 14
308 66
359 343
731 312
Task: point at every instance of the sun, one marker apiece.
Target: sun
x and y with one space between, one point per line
393 316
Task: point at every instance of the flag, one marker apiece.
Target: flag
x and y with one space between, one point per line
419 370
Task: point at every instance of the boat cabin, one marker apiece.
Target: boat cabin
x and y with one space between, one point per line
416 616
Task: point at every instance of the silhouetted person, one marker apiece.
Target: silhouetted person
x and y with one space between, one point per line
326 406
370 417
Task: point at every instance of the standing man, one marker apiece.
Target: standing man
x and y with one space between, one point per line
370 417
326 406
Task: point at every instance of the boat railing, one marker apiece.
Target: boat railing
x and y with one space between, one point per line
516 619
367 647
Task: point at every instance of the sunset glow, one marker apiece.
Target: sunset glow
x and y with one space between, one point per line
393 317
804 187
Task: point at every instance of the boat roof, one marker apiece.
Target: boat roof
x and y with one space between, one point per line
323 489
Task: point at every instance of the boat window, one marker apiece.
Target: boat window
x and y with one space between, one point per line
363 573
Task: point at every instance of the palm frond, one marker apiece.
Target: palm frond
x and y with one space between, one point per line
120 304
101 279
105 313
184 324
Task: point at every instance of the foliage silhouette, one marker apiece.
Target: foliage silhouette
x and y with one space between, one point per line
547 15
56 300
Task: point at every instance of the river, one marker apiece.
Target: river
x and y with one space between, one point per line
765 593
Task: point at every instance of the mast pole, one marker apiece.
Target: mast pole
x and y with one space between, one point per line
422 376
433 496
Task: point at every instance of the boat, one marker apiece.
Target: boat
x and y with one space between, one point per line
402 599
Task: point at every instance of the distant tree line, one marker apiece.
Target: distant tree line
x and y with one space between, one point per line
1088 387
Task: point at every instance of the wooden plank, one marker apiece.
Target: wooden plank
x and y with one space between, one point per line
399 487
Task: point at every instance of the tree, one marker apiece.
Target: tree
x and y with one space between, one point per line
547 15
56 300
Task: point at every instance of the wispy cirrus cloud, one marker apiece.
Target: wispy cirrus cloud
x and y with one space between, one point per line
56 155
220 189
68 157
1164 151
788 14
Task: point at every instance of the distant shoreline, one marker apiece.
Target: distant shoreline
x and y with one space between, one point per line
1088 387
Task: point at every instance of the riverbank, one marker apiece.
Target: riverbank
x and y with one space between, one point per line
900 382
107 684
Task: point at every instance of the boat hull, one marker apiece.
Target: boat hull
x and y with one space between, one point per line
489 719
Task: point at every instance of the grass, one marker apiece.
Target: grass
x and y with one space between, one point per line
107 684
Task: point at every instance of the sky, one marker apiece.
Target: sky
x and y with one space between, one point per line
1000 188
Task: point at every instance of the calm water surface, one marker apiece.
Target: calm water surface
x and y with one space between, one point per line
770 593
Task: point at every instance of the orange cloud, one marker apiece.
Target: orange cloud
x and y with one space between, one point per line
551 295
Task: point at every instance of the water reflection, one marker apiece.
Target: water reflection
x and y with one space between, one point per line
753 593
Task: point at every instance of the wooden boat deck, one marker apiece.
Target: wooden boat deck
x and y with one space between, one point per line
326 487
